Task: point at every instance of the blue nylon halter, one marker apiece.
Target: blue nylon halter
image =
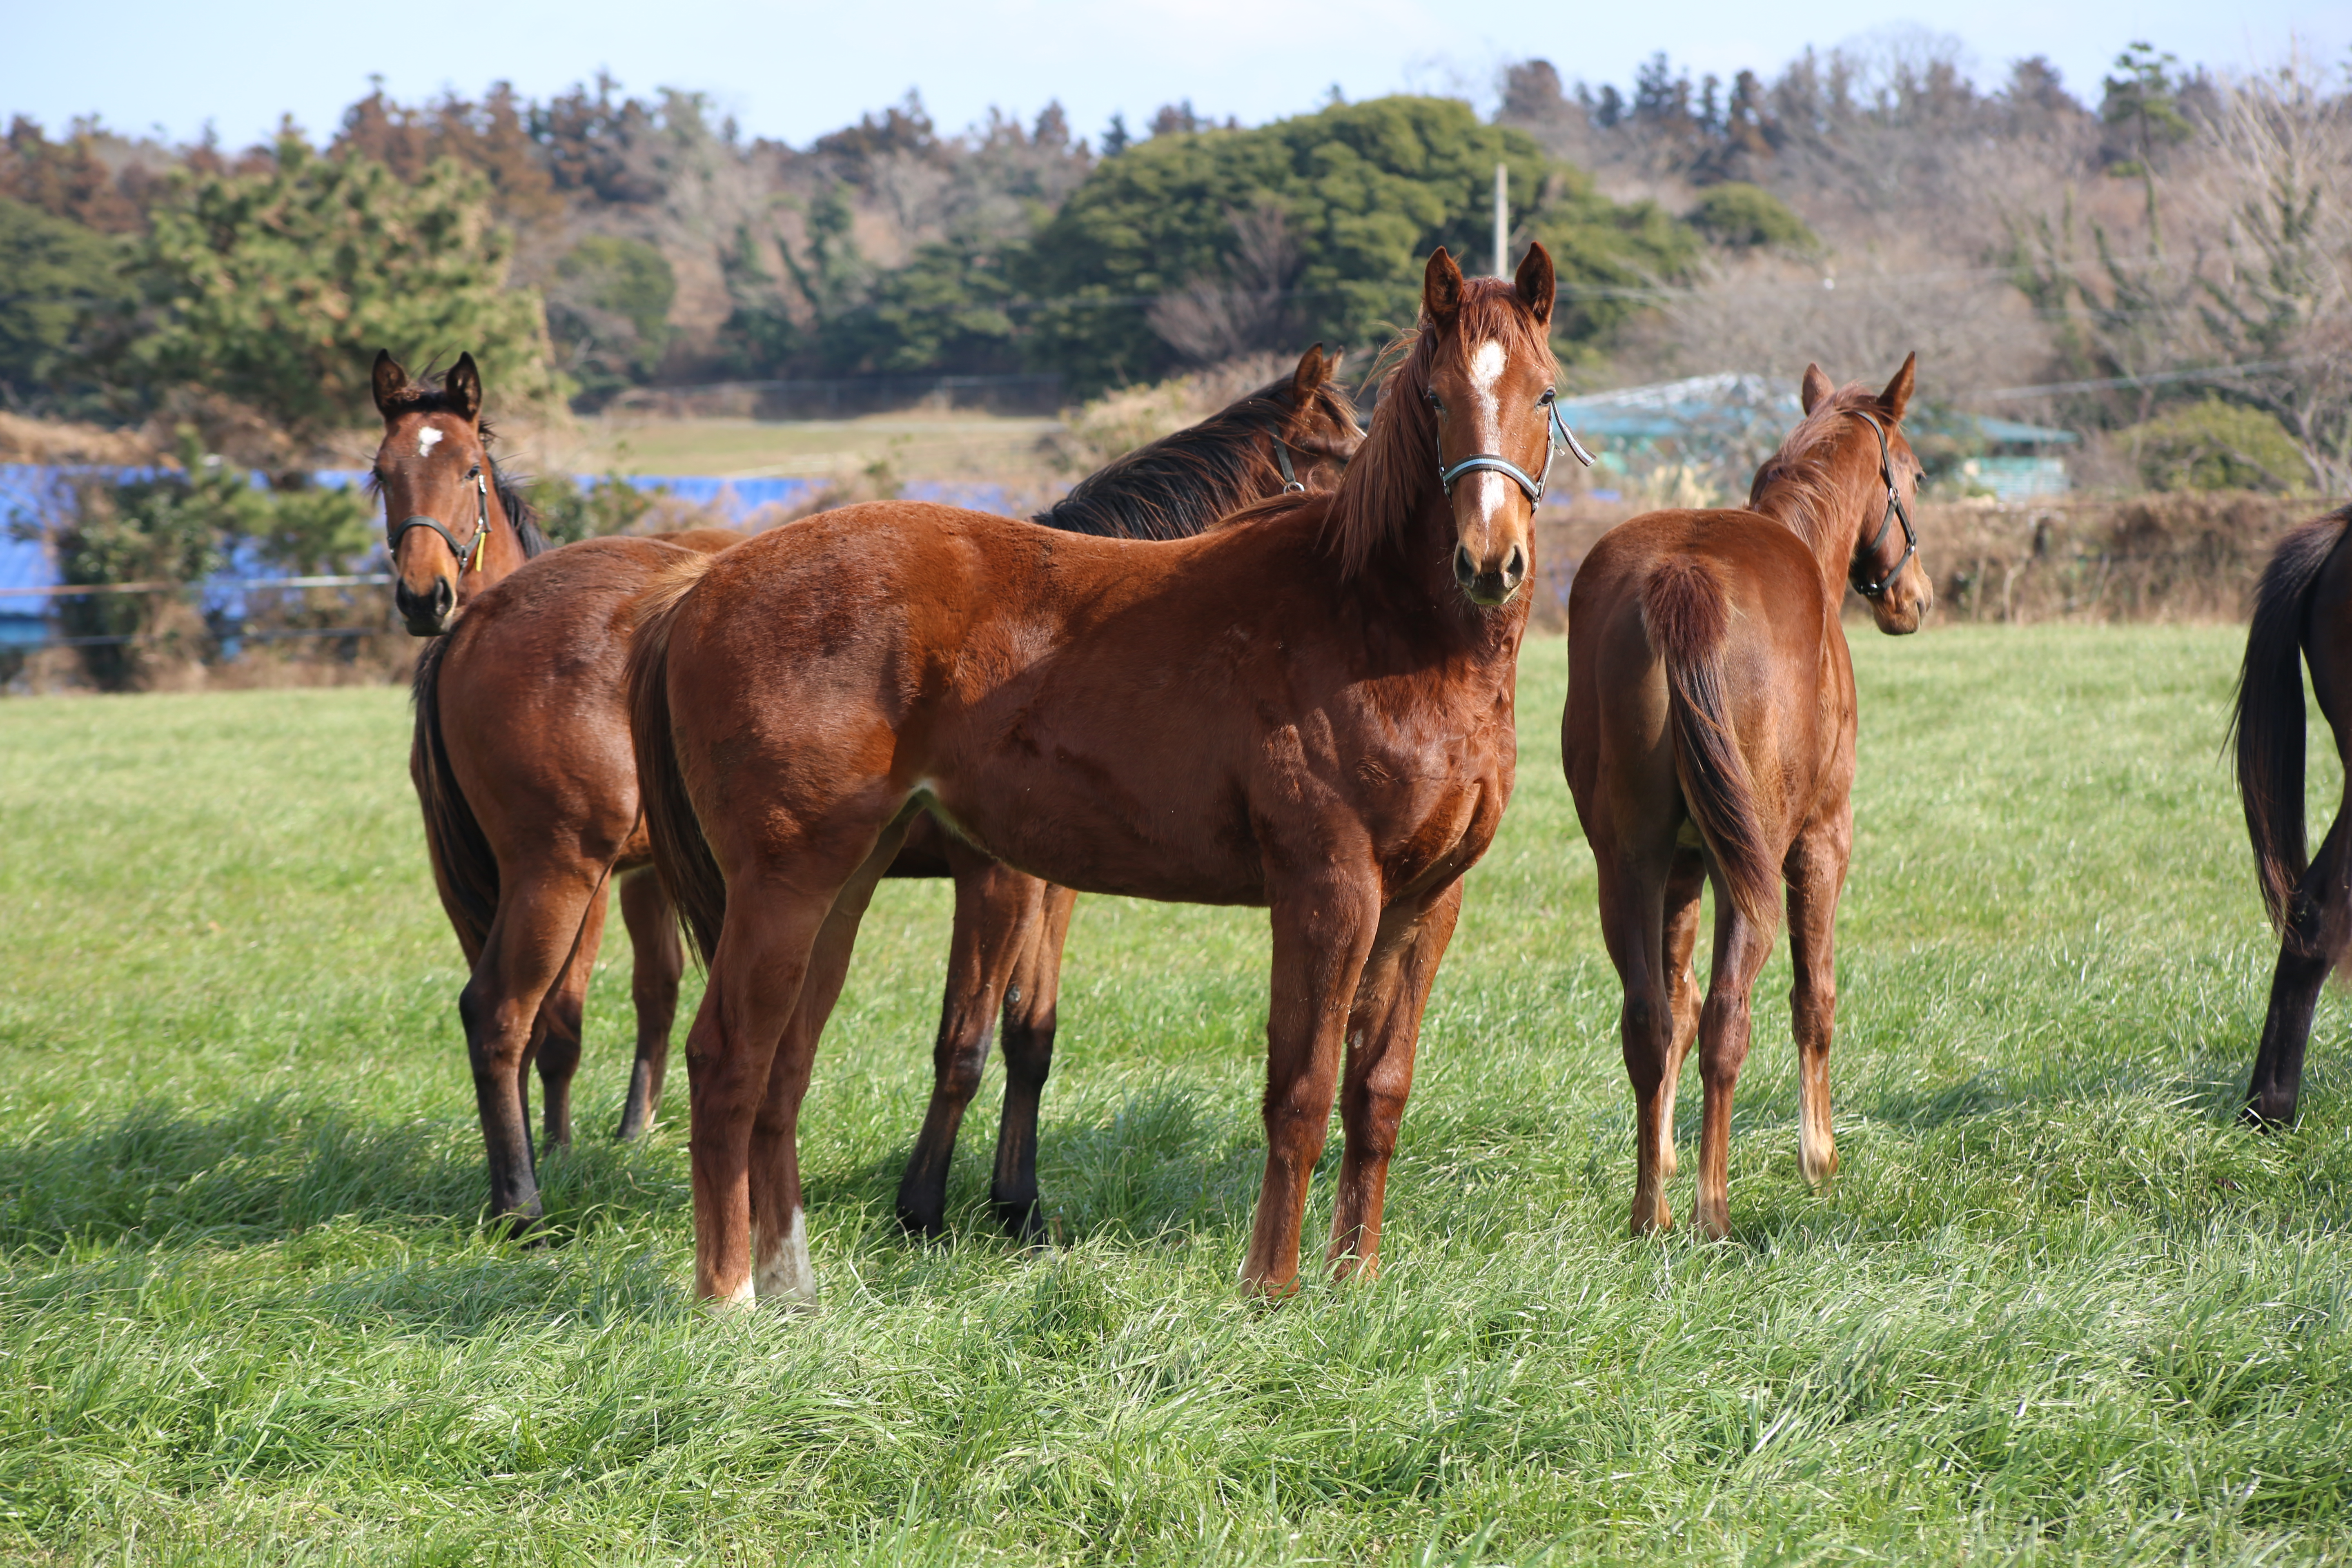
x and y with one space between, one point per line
1503 466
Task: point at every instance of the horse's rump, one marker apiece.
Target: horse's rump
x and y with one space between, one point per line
2267 719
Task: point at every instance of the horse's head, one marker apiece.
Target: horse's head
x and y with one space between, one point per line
1883 564
1490 389
1319 432
448 530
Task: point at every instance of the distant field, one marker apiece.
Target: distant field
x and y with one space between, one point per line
918 445
2058 1307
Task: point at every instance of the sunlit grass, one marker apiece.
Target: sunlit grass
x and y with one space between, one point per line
2059 1307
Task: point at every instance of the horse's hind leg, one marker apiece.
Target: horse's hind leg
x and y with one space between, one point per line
1633 924
1031 1007
560 1029
653 985
2313 945
780 1232
996 915
1741 946
529 941
1685 881
1382 1035
1815 868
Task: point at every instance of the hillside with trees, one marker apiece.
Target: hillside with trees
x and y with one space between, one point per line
2151 251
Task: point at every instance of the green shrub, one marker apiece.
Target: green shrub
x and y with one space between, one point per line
2216 445
1742 215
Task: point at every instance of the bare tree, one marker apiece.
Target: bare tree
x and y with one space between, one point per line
2277 296
1245 307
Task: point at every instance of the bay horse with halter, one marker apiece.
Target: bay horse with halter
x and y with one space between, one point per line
2303 610
1308 709
524 766
453 524
1708 738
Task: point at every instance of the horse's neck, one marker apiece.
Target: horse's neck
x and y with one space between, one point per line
1831 528
500 555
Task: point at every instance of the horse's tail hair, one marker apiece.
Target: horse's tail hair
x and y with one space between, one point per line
1686 620
2266 722
463 864
682 856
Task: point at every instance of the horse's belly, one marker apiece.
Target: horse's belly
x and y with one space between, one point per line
1064 836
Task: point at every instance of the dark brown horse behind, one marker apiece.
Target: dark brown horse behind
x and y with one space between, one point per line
1709 736
523 765
2303 610
1309 709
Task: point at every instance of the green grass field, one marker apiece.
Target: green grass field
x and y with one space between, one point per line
2058 1307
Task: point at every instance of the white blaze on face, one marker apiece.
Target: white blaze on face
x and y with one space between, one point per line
1490 488
425 440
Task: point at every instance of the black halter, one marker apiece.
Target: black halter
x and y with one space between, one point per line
1290 483
1895 512
481 526
1508 469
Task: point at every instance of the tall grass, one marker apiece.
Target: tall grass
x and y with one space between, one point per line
2058 1307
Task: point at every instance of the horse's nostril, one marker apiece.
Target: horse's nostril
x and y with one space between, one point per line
1516 567
1465 571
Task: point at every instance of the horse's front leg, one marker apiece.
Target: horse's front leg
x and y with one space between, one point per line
1383 1033
1323 931
1741 946
659 964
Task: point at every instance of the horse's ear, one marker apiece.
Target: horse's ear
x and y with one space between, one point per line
1816 387
389 381
1897 395
1441 289
1538 284
463 387
1313 370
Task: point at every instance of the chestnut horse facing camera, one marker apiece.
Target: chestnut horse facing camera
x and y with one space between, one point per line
1709 737
453 524
2303 609
523 765
1309 709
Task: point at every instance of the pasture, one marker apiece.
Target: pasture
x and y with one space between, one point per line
2058 1307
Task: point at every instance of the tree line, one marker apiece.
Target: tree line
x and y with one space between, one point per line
599 240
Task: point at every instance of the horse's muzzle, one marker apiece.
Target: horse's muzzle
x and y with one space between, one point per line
426 615
1493 586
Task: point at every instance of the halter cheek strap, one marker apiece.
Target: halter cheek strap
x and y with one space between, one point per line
1290 484
1534 486
1895 512
472 548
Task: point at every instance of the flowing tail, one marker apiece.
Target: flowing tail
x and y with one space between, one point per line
682 856
2267 721
1686 620
463 864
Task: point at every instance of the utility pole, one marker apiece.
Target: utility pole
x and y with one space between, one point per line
1502 220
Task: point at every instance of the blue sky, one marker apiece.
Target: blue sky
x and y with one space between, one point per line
794 71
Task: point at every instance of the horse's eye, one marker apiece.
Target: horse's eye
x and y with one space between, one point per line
475 472
1552 394
1433 402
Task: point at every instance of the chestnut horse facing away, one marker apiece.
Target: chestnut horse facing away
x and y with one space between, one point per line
2303 609
1709 737
523 765
1309 709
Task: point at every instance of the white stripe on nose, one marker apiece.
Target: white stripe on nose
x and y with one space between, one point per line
425 439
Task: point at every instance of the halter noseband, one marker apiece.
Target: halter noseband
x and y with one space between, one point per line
1533 487
473 547
1896 512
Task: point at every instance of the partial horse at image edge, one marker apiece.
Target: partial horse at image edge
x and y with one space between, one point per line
2302 611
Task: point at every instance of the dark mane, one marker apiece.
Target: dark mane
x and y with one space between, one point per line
1395 466
429 396
1803 491
1177 486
